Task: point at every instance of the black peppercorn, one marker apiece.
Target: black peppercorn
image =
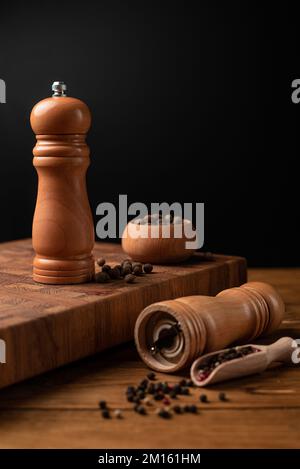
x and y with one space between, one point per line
173 394
158 396
101 261
144 383
105 414
141 410
165 414
190 383
148 268
193 409
158 386
130 398
182 382
151 376
114 273
102 405
126 270
137 270
102 277
222 396
150 389
129 278
185 391
106 268
136 399
177 389
131 389
177 409
141 394
203 398
165 388
126 261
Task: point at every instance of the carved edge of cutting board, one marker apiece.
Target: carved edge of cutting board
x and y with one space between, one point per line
71 332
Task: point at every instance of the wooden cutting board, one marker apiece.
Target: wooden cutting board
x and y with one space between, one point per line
45 326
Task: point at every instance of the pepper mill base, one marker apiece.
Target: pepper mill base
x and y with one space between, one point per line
63 271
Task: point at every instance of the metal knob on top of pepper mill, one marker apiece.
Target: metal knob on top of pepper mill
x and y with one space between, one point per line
63 232
170 335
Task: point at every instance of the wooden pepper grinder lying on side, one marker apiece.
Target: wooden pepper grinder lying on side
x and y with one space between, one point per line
63 232
170 335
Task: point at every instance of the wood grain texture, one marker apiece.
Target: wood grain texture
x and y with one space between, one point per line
59 409
158 244
207 323
62 230
46 326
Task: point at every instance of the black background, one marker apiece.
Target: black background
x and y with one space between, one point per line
191 102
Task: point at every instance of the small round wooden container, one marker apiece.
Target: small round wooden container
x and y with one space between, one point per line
170 335
157 243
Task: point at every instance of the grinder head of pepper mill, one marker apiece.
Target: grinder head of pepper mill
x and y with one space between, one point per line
60 114
59 88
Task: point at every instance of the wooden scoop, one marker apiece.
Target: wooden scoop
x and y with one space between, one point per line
255 362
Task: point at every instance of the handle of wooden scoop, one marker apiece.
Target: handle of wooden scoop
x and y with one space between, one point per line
280 351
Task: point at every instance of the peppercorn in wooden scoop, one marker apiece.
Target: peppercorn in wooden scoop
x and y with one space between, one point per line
240 361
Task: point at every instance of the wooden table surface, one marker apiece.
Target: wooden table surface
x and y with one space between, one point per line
60 409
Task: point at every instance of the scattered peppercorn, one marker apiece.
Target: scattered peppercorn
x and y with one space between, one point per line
141 394
222 396
130 389
151 389
126 261
165 388
141 410
185 391
177 409
173 394
129 278
102 405
182 382
105 414
151 376
158 386
190 383
101 261
193 409
148 268
144 383
203 398
165 414
102 277
136 399
158 396
114 273
137 270
126 270
177 389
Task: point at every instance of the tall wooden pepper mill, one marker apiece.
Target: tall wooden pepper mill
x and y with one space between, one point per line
63 232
